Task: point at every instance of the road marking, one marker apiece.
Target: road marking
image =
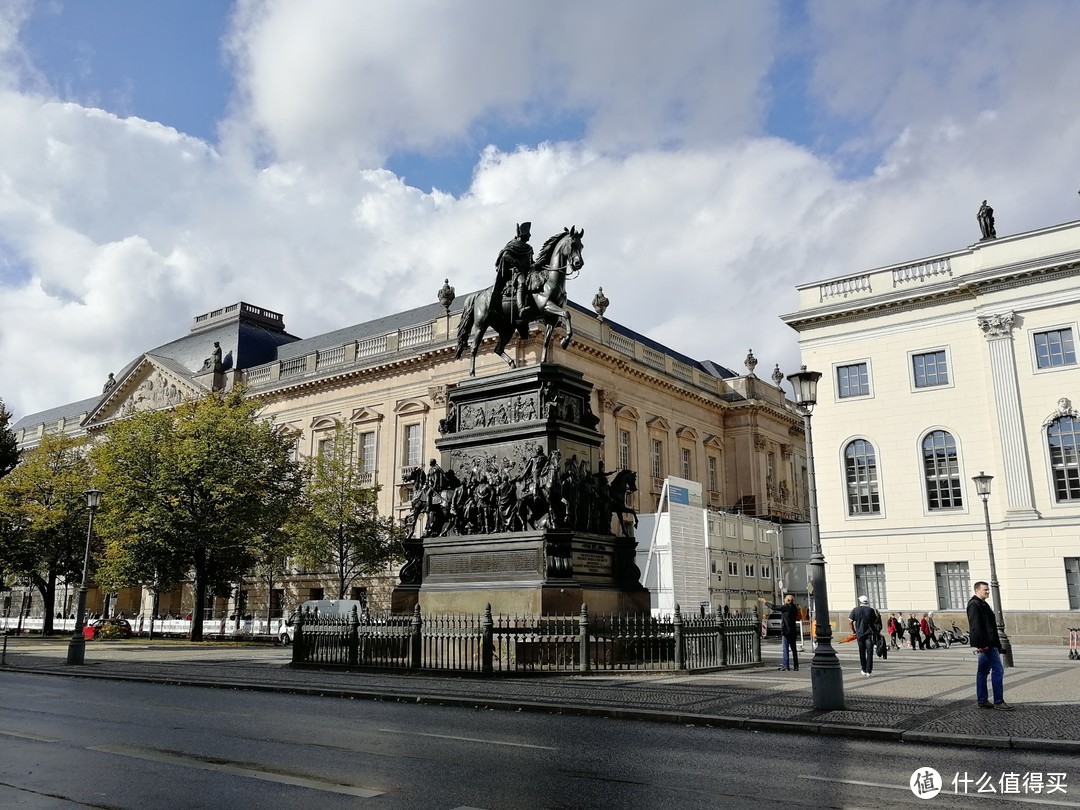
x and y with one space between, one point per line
36 737
468 739
1010 797
266 776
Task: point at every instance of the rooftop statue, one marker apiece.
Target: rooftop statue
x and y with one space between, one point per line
986 221
524 292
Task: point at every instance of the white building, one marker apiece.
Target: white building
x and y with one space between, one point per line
933 371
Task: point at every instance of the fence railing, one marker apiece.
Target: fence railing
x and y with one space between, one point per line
140 626
489 645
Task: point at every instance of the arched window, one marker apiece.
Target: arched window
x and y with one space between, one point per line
860 473
941 467
1063 438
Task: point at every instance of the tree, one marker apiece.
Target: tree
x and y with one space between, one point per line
9 446
191 492
340 529
43 505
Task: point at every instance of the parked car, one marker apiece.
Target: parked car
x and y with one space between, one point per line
112 628
773 623
321 607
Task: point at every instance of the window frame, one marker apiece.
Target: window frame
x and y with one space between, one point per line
961 480
912 381
878 479
871 583
406 450
962 589
863 361
1044 330
1052 469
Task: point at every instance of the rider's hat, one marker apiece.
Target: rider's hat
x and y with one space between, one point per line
524 229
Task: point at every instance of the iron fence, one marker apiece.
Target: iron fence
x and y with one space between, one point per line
488 645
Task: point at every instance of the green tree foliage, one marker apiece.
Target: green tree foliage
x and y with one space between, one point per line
44 517
9 447
192 492
339 529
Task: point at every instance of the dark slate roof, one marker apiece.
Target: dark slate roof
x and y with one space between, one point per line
52 415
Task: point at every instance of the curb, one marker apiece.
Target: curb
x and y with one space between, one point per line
750 724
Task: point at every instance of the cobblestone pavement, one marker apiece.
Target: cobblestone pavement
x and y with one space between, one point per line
915 696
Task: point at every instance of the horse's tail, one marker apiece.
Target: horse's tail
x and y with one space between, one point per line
465 325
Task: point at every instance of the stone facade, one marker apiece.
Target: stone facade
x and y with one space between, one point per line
659 413
934 371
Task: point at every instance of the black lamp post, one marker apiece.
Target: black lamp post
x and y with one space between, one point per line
76 653
826 675
982 486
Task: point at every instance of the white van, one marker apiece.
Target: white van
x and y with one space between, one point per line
322 607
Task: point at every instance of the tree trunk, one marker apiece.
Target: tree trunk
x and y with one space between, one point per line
47 589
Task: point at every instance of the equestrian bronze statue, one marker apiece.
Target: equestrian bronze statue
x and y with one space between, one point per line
524 292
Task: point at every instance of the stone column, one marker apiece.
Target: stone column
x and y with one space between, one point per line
1014 451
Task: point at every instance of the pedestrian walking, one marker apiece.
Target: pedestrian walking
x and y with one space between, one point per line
789 630
987 643
894 632
927 633
866 624
915 633
901 629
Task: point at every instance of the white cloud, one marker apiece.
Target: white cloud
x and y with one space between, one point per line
115 232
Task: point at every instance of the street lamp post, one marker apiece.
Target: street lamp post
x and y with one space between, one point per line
826 675
982 486
76 653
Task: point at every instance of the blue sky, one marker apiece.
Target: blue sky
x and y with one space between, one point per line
334 160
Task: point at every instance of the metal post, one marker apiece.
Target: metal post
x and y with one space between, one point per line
487 651
982 485
678 627
76 653
298 636
583 639
354 638
415 639
826 675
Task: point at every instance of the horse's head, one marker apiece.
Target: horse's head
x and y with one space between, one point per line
626 480
573 248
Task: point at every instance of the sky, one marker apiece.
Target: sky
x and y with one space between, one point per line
335 160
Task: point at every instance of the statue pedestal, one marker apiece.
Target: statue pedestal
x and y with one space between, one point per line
554 558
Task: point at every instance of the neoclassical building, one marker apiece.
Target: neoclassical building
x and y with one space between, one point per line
934 371
661 413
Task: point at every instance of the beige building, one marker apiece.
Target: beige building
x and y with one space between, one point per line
935 370
661 413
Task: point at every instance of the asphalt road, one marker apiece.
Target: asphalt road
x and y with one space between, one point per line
87 743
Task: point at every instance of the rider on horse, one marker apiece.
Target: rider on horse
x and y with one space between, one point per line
514 265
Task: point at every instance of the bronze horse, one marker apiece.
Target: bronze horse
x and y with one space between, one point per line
547 302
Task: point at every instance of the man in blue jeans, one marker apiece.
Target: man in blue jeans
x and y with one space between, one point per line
865 624
984 638
789 630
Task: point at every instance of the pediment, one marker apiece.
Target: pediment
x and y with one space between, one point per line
325 422
361 415
713 441
407 406
687 433
658 423
626 412
149 385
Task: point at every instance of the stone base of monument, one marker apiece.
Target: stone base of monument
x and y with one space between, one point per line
527 574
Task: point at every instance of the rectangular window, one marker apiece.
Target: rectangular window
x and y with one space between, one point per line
953 585
766 573
324 447
656 458
359 594
930 369
367 453
315 593
870 582
1054 348
713 477
852 380
749 570
624 450
410 451
733 569
686 469
1072 581
277 602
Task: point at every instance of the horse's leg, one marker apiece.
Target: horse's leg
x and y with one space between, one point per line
549 331
500 347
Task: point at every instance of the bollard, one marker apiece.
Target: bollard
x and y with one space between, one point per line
298 636
487 650
415 639
353 641
583 639
677 623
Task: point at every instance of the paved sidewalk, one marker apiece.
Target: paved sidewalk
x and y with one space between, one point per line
915 696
